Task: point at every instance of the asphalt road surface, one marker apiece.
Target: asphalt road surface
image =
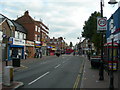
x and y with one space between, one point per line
58 72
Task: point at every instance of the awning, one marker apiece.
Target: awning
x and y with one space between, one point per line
54 49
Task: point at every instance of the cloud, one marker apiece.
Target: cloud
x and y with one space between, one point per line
64 17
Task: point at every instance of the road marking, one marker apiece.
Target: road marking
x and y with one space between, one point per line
76 82
78 77
38 78
57 66
24 66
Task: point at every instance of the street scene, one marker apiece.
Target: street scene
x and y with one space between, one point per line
52 44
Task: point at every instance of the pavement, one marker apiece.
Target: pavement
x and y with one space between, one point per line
90 78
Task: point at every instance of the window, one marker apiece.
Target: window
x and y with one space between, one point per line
24 36
36 27
21 36
18 36
36 37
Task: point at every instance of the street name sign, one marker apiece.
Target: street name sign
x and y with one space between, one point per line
101 24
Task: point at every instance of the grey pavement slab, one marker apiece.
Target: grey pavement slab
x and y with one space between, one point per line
91 78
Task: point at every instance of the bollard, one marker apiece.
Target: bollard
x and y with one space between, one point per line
8 76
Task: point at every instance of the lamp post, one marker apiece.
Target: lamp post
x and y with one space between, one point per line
111 87
5 41
111 71
101 70
79 45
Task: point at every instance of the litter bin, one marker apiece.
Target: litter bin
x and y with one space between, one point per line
8 76
16 62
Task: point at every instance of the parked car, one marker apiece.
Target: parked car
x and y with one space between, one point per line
95 61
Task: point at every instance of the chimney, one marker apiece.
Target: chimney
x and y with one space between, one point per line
26 13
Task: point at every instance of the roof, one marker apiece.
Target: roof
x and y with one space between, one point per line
2 18
19 27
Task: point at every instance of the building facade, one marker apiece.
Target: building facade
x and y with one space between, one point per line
37 32
7 30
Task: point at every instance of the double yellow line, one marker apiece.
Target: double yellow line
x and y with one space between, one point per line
76 82
78 77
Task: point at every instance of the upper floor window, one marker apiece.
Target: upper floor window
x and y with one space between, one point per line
36 37
21 36
36 27
24 36
18 35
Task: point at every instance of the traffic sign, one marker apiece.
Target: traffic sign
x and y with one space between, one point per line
101 24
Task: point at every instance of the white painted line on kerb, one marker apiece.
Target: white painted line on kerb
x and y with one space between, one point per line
57 66
38 78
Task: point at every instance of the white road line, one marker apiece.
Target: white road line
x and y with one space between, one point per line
38 78
57 66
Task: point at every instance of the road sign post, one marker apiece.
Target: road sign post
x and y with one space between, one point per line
101 24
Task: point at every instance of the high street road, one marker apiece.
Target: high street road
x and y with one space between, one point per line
57 72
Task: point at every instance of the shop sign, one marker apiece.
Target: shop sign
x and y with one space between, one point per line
29 43
11 40
53 46
37 44
49 47
44 44
18 42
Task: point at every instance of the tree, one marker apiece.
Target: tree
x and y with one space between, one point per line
90 30
71 45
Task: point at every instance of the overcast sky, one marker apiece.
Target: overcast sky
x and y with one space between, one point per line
64 18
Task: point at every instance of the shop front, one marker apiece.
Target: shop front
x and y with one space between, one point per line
52 51
38 50
29 49
16 48
44 49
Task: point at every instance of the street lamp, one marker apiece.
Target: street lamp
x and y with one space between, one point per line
112 38
5 41
79 46
111 71
101 70
112 2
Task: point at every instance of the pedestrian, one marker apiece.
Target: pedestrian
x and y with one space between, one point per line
26 55
40 53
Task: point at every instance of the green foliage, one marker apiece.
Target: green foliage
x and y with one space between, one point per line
71 45
90 30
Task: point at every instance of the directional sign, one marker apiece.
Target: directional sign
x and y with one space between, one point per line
101 24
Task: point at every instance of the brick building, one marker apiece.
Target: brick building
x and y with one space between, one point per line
37 32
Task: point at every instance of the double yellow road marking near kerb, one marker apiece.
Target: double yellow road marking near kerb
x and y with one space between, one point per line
76 83
78 77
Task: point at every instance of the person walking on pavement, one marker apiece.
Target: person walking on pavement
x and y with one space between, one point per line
40 53
26 55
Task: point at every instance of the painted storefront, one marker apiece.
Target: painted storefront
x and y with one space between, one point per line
114 28
16 46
